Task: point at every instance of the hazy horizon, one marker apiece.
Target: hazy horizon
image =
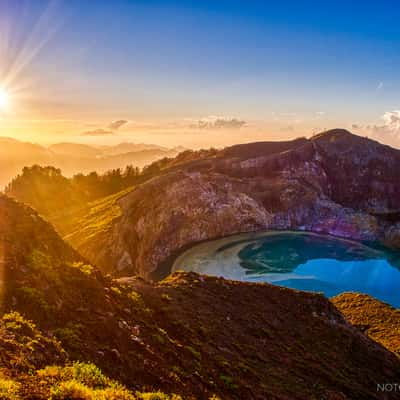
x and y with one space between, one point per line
197 75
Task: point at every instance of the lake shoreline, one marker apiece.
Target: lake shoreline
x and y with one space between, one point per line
299 260
164 269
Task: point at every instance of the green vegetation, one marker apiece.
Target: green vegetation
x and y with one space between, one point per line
116 290
48 191
9 389
23 347
34 297
39 260
70 336
87 269
91 221
85 381
157 396
228 382
196 354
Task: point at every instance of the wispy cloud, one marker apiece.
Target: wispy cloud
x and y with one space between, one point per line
98 132
115 125
109 130
214 123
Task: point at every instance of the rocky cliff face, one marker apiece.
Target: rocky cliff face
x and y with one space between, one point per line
336 183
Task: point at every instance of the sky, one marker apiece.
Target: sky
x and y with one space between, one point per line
198 74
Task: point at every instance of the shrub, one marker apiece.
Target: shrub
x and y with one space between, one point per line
135 297
116 290
51 373
34 297
228 381
113 393
15 322
75 390
70 336
82 381
71 390
157 396
9 389
87 269
89 374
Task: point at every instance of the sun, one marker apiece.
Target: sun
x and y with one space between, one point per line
4 99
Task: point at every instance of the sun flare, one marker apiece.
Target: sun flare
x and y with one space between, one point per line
4 99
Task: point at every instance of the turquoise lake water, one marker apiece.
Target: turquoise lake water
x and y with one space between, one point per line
298 260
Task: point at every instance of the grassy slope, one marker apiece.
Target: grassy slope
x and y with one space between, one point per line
35 366
378 320
89 224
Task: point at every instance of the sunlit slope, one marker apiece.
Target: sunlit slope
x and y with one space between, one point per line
89 228
376 319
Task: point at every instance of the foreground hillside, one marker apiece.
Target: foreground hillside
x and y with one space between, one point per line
336 183
195 336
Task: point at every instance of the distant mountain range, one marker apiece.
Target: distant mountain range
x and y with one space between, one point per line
73 158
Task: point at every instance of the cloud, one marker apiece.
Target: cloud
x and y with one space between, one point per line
390 126
98 132
392 119
355 126
219 123
115 125
109 130
380 86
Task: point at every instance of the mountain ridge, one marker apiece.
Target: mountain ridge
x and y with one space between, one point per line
335 183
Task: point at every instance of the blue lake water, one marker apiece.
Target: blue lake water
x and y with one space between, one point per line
299 260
